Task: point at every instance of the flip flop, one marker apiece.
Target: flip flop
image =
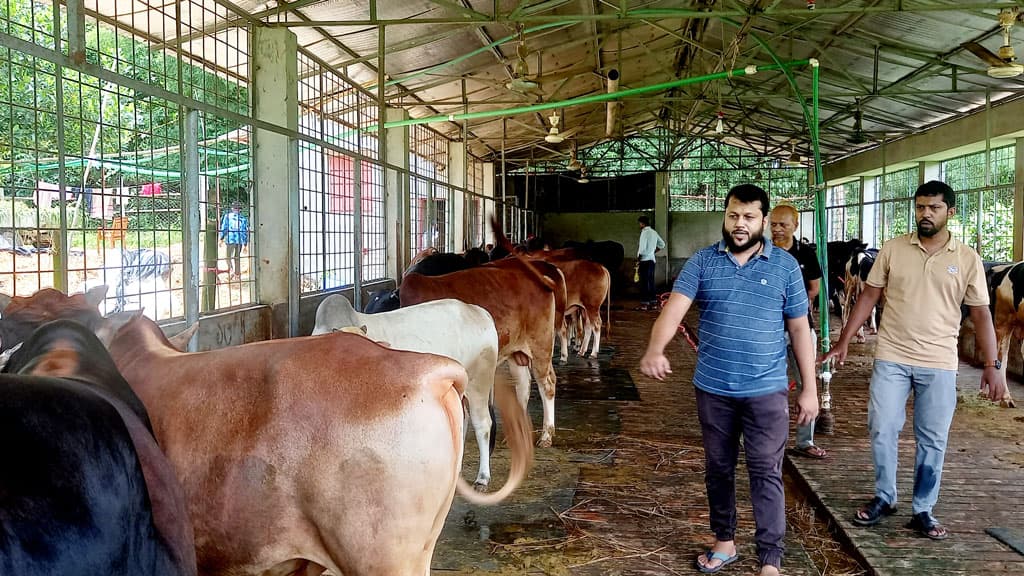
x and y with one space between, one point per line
724 558
924 523
812 451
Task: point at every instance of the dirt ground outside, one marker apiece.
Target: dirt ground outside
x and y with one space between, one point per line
22 275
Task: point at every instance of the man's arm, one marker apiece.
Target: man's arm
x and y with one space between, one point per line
865 302
803 348
813 289
992 380
654 363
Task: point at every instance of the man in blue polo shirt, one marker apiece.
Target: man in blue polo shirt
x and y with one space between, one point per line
748 293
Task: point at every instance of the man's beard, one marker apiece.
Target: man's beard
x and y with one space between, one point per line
929 232
752 239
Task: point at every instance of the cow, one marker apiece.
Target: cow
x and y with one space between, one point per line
448 327
1006 293
522 302
587 286
86 489
321 437
23 314
838 254
382 301
307 454
858 267
608 253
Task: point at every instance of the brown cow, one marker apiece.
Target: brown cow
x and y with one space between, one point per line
587 286
521 301
306 454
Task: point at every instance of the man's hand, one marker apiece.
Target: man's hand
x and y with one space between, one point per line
837 352
655 366
806 407
993 384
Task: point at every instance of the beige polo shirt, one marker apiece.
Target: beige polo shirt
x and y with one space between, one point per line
921 317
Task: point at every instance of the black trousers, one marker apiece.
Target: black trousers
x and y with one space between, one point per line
763 423
646 272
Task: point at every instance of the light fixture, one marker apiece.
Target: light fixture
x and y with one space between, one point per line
794 158
553 136
719 123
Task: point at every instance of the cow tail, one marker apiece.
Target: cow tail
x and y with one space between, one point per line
499 237
519 434
608 312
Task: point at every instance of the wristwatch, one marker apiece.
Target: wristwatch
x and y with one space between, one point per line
997 364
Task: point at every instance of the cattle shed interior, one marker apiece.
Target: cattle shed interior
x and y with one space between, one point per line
357 134
353 135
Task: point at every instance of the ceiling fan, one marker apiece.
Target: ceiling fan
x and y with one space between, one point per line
858 136
1004 64
520 81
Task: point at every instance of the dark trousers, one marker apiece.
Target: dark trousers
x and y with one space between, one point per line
235 257
646 272
763 423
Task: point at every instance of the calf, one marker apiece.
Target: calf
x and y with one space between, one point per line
451 328
87 490
838 254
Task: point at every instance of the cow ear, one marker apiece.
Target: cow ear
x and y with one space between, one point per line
95 296
112 324
4 301
181 339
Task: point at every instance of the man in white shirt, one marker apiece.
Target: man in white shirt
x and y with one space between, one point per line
650 243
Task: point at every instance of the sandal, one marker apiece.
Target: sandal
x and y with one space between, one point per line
873 512
711 556
926 525
812 451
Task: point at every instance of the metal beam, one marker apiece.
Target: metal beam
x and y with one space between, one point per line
661 14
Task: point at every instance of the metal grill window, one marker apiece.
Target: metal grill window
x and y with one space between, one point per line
843 211
116 175
429 205
333 109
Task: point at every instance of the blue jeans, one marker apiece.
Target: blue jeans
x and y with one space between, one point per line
804 433
934 404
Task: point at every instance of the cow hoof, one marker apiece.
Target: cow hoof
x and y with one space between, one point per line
1007 403
544 441
563 360
480 485
860 339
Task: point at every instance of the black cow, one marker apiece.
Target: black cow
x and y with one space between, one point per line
607 253
839 253
85 489
858 267
382 301
439 263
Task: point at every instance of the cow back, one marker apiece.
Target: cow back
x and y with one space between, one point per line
77 502
22 315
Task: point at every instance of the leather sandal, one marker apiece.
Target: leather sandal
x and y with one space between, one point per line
926 525
873 512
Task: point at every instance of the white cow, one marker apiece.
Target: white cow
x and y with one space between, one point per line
452 328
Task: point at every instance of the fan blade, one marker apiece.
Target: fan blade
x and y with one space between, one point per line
984 53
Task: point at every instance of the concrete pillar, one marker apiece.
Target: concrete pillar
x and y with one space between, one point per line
928 171
396 192
276 172
869 193
489 209
457 179
661 224
1018 201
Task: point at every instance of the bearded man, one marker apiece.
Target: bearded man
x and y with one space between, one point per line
749 293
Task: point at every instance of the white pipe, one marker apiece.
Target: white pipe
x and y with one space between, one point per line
613 86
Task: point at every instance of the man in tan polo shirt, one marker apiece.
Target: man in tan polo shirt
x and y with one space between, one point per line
926 276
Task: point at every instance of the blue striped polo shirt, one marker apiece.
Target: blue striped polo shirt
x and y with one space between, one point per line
742 351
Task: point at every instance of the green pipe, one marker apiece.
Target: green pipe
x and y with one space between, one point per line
589 99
